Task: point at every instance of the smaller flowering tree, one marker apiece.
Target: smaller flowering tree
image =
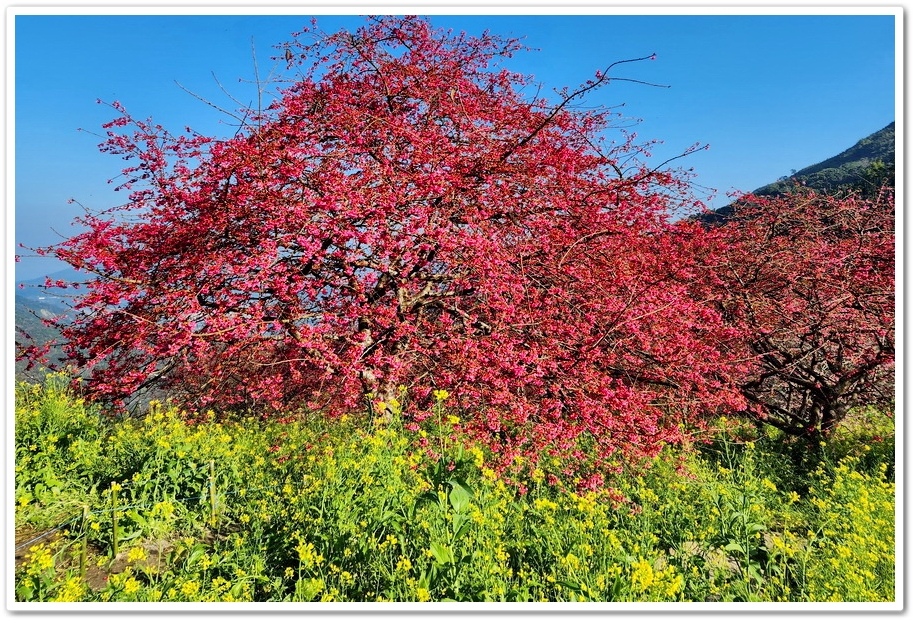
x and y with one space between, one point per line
810 278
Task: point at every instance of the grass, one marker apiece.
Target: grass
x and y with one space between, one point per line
160 509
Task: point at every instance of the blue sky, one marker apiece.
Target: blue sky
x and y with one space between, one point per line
768 93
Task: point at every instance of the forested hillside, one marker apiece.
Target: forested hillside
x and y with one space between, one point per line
864 167
867 163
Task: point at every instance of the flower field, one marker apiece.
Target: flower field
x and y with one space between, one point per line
361 509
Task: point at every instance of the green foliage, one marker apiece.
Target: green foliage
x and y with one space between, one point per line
56 437
359 509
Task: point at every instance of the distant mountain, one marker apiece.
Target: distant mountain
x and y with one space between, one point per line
35 290
31 331
864 166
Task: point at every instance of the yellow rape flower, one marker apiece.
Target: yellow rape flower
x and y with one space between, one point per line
71 590
571 561
190 588
643 575
674 586
40 557
308 556
131 586
136 554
